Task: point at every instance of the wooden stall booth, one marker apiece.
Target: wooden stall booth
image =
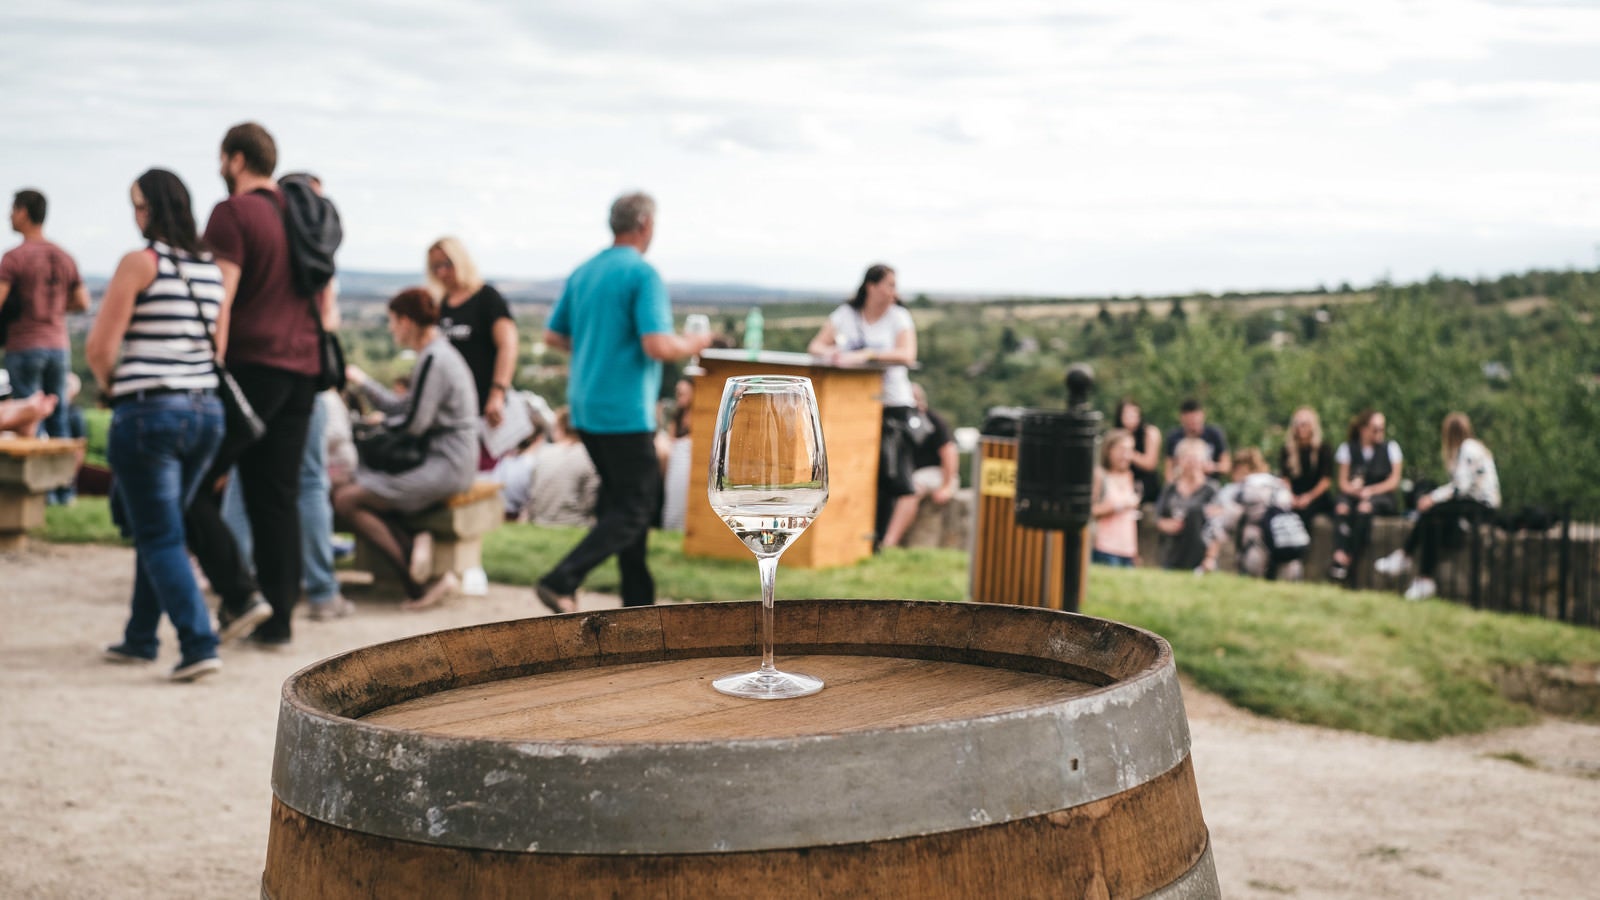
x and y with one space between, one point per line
849 399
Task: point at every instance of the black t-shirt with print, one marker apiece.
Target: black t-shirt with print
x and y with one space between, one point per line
469 326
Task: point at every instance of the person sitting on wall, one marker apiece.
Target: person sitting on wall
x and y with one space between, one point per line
1117 491
1181 510
1243 513
937 467
1473 493
1193 425
1369 468
564 485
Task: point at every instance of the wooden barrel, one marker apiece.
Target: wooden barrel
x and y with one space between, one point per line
958 750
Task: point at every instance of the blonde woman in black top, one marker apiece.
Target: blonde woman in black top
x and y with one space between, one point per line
1306 462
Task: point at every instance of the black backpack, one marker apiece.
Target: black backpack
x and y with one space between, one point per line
1285 535
312 224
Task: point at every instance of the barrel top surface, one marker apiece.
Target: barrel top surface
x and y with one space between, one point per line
673 701
600 732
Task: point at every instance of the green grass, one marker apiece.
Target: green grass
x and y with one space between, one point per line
1357 661
1360 661
87 521
98 424
519 554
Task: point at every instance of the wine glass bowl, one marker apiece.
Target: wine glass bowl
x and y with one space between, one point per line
768 481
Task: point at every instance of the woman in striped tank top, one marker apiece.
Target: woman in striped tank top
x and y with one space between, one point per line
152 351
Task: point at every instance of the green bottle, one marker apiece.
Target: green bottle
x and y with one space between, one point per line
753 327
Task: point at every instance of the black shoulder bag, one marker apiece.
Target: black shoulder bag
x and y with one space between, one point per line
395 450
240 416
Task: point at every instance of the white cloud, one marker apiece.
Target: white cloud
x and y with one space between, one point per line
1011 146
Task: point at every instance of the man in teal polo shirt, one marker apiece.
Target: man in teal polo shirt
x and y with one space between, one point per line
615 318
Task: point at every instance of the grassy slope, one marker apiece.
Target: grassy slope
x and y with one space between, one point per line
1358 661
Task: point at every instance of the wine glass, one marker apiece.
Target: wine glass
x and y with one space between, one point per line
695 324
768 480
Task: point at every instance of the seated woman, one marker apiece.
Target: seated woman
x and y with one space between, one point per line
1306 462
1146 457
441 407
1474 490
1369 471
674 448
1181 510
1116 503
564 486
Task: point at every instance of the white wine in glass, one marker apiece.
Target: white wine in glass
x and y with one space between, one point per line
768 480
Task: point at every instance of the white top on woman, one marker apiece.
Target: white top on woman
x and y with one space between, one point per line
852 331
1474 477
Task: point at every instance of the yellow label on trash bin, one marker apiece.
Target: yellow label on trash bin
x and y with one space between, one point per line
997 478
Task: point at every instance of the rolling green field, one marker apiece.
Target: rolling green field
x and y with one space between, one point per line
1358 661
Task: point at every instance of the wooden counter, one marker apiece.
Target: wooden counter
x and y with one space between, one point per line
849 399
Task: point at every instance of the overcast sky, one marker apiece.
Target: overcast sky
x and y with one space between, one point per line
1044 147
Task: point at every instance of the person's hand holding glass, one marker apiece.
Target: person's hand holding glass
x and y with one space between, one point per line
768 481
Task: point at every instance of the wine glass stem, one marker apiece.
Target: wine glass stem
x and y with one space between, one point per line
768 566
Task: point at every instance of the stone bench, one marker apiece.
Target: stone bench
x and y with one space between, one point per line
30 468
458 526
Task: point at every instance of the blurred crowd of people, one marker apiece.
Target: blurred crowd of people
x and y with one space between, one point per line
1267 512
234 416
232 419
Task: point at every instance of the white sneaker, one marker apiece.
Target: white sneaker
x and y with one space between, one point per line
1396 563
475 582
1421 589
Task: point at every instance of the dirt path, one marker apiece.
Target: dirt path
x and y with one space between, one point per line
115 783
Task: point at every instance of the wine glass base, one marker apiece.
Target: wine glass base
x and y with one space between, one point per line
773 685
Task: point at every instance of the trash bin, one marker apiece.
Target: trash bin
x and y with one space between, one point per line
1010 564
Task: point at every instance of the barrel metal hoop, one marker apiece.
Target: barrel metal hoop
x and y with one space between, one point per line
1199 883
719 797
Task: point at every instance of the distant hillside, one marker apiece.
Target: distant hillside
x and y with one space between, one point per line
360 285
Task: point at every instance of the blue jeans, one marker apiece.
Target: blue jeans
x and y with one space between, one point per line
1102 558
44 370
159 449
316 514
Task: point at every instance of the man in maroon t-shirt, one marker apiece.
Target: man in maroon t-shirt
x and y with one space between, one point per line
40 282
271 347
